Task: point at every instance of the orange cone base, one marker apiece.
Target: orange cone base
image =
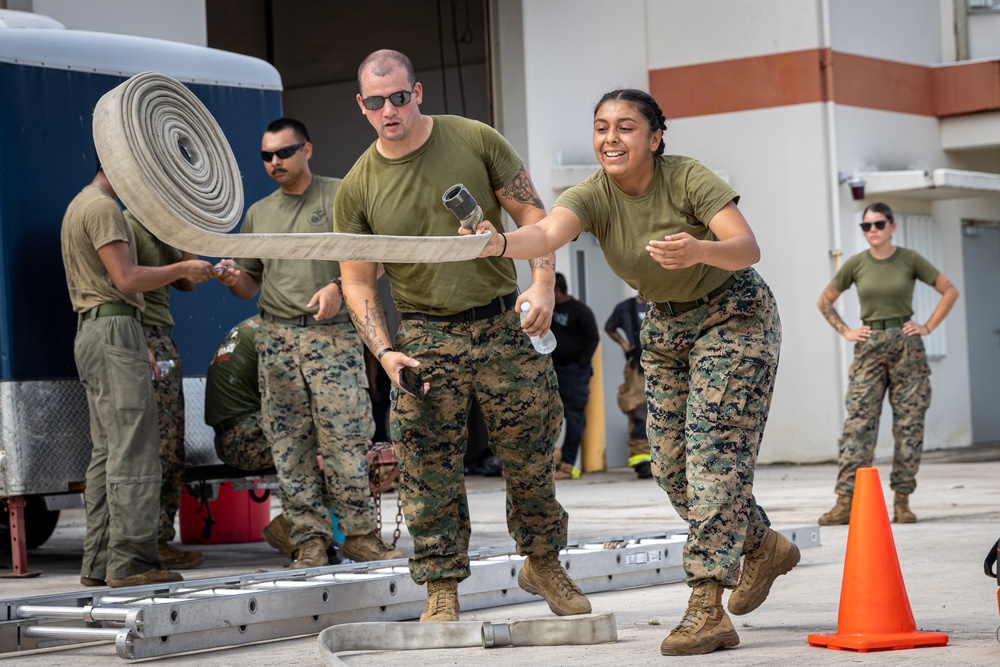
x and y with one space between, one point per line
880 642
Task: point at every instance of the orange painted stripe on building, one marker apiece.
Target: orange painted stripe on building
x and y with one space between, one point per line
725 86
800 77
966 88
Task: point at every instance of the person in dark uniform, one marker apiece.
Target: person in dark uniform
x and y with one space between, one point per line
576 335
623 326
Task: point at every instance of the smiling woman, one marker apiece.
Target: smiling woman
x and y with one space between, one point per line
671 228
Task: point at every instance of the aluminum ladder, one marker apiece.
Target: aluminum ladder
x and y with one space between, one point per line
198 614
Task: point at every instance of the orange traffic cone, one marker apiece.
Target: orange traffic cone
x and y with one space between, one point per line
874 609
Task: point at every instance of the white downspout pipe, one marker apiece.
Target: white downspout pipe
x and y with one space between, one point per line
833 174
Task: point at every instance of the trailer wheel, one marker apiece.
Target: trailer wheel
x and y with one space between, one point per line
39 523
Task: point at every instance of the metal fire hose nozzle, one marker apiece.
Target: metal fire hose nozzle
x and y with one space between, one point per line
460 201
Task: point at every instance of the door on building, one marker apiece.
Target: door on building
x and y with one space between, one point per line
981 246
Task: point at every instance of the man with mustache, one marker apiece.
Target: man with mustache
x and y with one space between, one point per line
314 389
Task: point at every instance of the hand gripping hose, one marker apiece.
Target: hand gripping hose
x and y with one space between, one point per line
171 165
570 630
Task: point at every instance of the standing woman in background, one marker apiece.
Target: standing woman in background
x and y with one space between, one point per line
670 228
888 354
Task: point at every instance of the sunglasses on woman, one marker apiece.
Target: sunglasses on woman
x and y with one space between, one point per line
398 99
879 224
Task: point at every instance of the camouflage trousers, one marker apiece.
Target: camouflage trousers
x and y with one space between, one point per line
243 444
169 392
888 360
315 403
491 359
709 378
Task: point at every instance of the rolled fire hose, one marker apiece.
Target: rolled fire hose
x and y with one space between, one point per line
566 631
169 162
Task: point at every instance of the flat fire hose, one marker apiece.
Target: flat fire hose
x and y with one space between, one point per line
565 631
169 162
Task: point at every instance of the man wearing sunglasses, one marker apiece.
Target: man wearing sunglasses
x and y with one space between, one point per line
460 326
888 355
314 388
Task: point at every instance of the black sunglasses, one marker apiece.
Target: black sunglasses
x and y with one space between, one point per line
283 153
879 224
376 102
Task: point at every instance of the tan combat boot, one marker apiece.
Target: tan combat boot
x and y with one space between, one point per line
773 558
901 509
361 548
545 576
311 553
442 601
145 578
173 558
840 515
705 626
278 535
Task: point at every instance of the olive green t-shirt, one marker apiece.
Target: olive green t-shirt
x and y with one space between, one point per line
402 197
231 385
92 220
287 285
885 286
151 251
684 196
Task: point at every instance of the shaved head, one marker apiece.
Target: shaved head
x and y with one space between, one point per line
381 63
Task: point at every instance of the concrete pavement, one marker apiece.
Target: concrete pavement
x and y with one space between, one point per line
957 502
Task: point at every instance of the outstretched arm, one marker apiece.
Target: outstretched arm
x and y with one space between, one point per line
129 277
521 201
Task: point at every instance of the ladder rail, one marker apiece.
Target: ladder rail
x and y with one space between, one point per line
158 620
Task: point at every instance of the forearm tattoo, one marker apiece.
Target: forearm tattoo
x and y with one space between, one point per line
371 325
522 190
829 312
545 263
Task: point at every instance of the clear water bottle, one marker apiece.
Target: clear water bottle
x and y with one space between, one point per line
543 344
165 366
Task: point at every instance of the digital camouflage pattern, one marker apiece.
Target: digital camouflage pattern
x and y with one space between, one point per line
169 392
516 389
315 402
888 360
243 444
709 379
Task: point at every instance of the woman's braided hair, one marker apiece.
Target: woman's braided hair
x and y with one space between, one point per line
643 103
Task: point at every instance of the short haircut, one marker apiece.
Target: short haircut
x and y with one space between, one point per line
561 283
297 127
384 61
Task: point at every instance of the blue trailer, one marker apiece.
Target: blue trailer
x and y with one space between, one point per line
51 79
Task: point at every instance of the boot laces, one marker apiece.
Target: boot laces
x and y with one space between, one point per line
696 611
552 570
441 601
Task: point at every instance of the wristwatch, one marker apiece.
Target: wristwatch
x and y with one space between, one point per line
336 281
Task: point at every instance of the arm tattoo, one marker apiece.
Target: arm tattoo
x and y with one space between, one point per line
830 313
371 324
522 190
546 263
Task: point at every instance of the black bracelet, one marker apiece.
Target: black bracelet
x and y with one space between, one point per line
504 237
383 353
336 281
